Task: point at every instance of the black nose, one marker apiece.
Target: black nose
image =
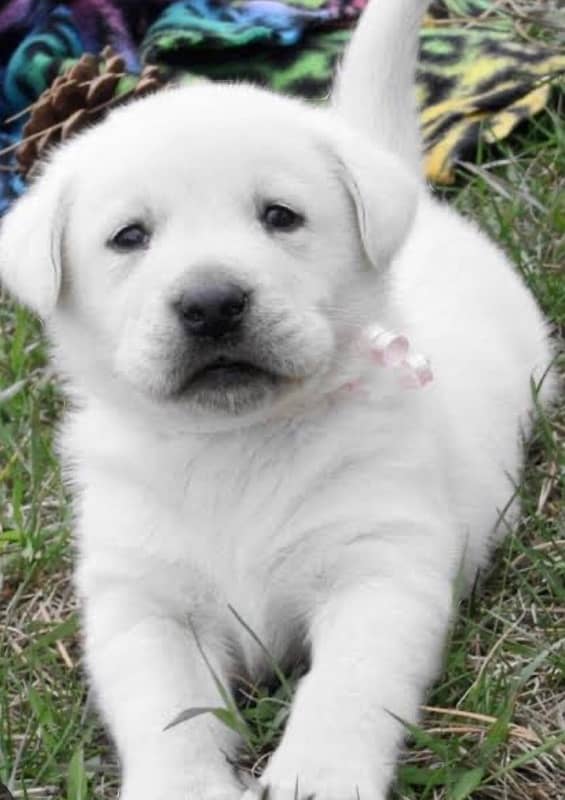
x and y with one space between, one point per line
213 310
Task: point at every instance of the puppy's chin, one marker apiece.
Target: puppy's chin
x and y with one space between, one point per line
221 391
231 388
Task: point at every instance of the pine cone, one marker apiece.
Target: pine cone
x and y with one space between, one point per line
79 97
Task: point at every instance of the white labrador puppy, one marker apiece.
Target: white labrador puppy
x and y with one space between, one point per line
205 261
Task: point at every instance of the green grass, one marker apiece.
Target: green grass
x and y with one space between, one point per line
492 729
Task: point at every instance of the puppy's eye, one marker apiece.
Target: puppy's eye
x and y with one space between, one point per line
277 217
131 237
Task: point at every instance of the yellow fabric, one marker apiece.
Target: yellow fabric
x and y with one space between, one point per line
476 82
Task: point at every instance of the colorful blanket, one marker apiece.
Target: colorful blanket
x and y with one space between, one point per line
476 79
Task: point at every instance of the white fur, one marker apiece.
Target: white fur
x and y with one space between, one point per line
329 519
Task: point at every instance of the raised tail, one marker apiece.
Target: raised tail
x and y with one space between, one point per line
374 86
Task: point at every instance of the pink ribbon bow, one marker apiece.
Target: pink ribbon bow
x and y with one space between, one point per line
390 349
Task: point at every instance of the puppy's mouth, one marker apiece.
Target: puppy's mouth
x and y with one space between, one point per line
224 373
231 386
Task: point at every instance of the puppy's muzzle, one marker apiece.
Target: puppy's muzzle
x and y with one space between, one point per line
213 311
226 357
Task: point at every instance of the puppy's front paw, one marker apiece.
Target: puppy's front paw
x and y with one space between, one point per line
310 781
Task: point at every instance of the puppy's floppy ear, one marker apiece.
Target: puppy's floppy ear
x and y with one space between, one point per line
31 239
384 192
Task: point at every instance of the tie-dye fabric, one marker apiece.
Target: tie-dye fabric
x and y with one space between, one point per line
474 79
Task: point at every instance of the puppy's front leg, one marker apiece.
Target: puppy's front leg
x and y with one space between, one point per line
147 667
375 648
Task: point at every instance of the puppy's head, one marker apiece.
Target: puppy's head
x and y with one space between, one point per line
212 248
